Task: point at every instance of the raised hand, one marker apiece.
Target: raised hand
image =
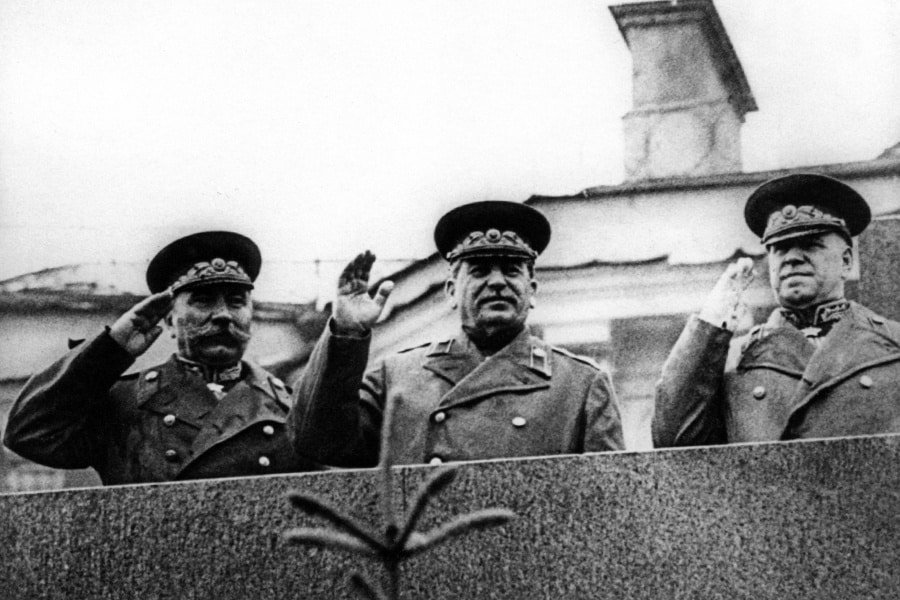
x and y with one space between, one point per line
724 304
355 310
137 329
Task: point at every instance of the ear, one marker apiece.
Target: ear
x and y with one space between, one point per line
450 290
847 261
169 324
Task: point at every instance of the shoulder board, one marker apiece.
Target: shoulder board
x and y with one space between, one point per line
885 325
757 332
148 375
148 381
281 391
414 348
878 322
278 385
582 359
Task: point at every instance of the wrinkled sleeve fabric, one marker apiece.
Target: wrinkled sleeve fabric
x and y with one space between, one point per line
603 427
337 413
688 409
58 418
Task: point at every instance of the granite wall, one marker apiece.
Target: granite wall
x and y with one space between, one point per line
795 520
879 266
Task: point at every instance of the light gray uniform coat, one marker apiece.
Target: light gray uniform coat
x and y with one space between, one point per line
774 384
528 399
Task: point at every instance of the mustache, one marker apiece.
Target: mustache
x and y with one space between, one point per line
495 297
791 272
232 331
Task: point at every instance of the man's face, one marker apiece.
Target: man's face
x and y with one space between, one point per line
212 323
492 294
809 270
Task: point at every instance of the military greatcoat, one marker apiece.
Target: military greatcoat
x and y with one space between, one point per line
775 384
451 404
160 424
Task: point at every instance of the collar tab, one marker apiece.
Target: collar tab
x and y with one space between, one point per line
823 317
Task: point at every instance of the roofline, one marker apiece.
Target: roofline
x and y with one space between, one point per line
889 166
38 301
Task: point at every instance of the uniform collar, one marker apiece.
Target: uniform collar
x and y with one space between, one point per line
224 375
823 316
455 357
522 365
175 371
858 337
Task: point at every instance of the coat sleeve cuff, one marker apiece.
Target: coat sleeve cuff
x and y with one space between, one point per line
107 358
342 347
717 337
333 331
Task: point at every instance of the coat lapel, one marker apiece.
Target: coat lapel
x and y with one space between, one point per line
254 399
452 359
851 346
779 346
170 389
523 365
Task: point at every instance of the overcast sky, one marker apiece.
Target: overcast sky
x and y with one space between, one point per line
323 128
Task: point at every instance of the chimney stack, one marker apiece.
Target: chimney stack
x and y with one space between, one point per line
690 93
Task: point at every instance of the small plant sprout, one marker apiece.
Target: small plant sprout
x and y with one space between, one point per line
398 539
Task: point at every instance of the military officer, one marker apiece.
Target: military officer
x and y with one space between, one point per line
821 366
491 391
203 413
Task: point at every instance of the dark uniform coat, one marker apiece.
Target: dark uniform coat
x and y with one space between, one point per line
775 384
450 404
160 424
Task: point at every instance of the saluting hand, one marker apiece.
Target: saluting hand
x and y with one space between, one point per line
355 309
137 329
724 304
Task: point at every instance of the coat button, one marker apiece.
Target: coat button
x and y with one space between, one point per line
759 392
268 430
435 461
519 421
865 381
171 455
169 420
264 461
151 375
440 417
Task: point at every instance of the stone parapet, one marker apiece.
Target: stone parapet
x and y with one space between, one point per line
792 520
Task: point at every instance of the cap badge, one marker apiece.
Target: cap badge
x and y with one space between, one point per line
492 242
789 212
216 270
795 218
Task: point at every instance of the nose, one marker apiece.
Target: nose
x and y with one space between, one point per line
496 279
220 311
793 254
